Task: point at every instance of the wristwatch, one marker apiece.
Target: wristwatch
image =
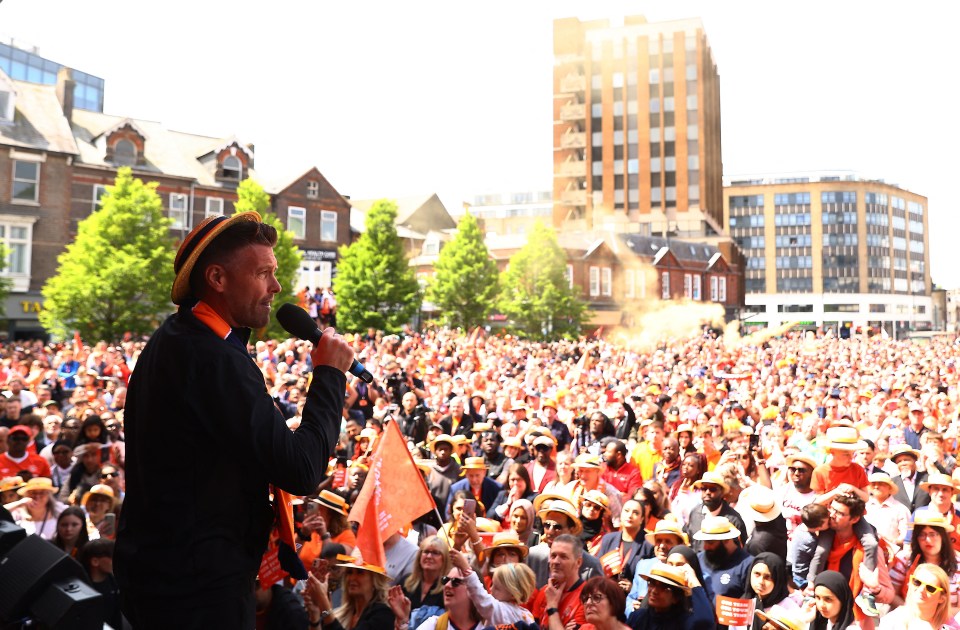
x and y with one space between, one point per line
552 611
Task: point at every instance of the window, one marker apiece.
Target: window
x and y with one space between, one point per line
606 282
178 211
713 289
297 221
665 285
26 181
722 288
569 275
124 153
313 189
328 225
214 207
687 285
232 168
99 190
697 287
629 280
594 281
431 246
16 237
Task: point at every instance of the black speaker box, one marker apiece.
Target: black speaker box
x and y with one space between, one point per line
28 569
10 536
69 605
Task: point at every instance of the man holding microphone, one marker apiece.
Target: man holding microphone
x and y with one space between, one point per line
205 442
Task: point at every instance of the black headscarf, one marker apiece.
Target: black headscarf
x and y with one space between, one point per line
840 587
778 571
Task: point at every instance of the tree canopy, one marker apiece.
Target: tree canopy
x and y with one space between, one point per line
116 275
375 285
536 295
251 196
466 283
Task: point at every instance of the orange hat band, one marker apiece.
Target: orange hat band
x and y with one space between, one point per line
198 238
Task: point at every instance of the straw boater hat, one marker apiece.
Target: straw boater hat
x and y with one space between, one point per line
548 402
904 449
803 458
668 527
843 439
443 437
8 484
356 563
548 496
937 479
587 461
716 528
545 440
472 463
481 427
781 618
562 506
685 428
368 434
514 441
507 540
714 478
760 503
931 518
597 498
193 245
40 483
98 489
879 477
332 501
666 574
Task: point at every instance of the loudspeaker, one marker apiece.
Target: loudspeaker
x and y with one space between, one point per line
70 605
10 536
28 569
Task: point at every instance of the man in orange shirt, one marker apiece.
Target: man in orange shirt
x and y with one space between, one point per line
17 457
560 597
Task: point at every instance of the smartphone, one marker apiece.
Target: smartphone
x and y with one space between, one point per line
470 507
109 525
754 441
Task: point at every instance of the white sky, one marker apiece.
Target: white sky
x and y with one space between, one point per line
390 99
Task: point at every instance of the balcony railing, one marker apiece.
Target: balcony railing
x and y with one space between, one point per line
574 197
573 140
573 111
577 168
573 83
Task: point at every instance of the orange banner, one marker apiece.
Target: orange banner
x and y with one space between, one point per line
735 612
393 494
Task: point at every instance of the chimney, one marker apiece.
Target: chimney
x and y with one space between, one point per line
65 85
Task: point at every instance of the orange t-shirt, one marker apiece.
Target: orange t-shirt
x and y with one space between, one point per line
826 477
311 549
570 607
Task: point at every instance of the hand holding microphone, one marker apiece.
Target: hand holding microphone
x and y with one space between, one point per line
329 348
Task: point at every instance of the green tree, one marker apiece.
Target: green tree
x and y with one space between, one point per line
116 275
466 282
535 292
375 285
252 197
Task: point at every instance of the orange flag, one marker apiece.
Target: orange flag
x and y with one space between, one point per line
577 372
393 494
77 345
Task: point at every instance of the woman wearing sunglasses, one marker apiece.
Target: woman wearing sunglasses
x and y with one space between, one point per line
929 543
928 602
511 586
461 612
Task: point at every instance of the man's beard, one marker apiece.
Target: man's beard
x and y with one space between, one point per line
717 557
713 504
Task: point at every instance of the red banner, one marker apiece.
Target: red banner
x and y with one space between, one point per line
735 612
393 494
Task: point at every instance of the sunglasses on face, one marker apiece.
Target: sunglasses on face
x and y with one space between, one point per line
109 475
452 581
932 589
800 470
553 526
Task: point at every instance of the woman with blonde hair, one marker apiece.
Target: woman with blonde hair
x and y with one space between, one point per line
37 510
364 600
423 585
927 606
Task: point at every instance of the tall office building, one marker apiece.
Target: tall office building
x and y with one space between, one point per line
832 247
22 62
636 128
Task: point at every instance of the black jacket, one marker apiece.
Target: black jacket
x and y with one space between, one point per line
697 515
920 497
204 443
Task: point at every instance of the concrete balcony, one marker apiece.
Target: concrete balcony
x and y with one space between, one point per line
573 111
573 197
575 168
573 83
573 140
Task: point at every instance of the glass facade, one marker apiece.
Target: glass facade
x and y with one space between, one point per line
22 65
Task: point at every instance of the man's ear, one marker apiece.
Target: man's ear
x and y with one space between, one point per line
214 278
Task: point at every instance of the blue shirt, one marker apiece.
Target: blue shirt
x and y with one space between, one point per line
731 579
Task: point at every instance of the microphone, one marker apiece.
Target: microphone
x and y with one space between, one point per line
298 323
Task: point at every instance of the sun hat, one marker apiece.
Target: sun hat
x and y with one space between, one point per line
904 449
193 245
99 489
548 402
544 440
481 427
669 575
508 540
780 617
587 460
770 413
879 477
665 527
931 518
549 496
760 503
8 484
937 479
514 441
684 428
369 434
459 440
424 465
443 437
357 563
597 498
803 458
332 501
714 478
562 506
716 528
473 463
43 484
843 438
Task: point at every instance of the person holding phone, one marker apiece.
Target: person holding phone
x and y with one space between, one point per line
99 504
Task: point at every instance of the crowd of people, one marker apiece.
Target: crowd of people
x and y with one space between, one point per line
594 482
